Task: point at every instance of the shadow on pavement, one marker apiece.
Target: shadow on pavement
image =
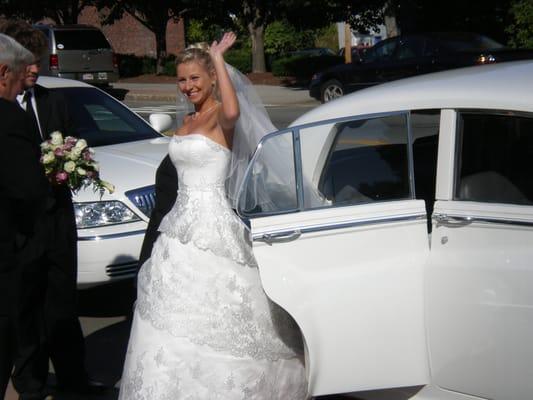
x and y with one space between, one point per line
111 300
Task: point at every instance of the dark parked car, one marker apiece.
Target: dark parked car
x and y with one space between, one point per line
408 55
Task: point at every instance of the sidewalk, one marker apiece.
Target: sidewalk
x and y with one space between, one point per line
271 95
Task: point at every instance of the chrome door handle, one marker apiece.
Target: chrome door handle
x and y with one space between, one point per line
452 221
283 237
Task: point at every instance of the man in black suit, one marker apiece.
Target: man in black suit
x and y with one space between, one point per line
50 268
23 188
166 190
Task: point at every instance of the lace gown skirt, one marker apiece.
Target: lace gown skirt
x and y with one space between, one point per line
203 327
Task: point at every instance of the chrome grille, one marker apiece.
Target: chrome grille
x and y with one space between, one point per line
123 270
143 198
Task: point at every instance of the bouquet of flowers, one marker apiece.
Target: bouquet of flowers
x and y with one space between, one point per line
70 162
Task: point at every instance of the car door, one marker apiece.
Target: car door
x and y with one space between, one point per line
410 58
341 244
480 277
366 72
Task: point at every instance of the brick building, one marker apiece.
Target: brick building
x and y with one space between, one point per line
129 36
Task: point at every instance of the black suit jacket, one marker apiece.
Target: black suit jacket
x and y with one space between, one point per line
53 114
166 191
23 187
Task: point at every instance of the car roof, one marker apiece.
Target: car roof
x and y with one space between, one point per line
52 83
502 86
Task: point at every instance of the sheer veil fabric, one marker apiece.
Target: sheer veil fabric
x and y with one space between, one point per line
252 126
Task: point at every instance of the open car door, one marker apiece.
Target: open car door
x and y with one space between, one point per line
341 245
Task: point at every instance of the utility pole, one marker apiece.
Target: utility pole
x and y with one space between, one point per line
347 43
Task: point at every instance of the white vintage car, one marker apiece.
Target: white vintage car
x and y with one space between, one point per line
404 249
129 150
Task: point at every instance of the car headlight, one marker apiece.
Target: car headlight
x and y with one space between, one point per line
102 213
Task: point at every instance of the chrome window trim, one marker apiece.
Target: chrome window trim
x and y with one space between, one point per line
298 168
484 220
410 156
343 225
111 235
295 130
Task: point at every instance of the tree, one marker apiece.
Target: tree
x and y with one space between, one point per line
61 11
256 15
521 29
154 14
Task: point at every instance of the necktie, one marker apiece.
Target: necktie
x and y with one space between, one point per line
31 114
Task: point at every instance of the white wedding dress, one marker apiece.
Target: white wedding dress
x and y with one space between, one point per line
203 327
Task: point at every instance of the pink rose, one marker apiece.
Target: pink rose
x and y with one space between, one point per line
59 152
61 177
87 155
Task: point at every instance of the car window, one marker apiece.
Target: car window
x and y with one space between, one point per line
101 120
410 47
367 162
273 169
494 158
468 42
77 39
381 51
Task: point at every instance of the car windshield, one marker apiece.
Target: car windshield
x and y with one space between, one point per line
101 120
470 42
78 39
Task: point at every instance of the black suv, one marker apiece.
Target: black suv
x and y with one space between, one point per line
407 55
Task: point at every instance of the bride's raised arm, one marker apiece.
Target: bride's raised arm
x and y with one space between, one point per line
229 108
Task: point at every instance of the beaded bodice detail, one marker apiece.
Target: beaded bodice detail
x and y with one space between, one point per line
202 214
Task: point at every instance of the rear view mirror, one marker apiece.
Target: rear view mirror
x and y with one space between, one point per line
160 122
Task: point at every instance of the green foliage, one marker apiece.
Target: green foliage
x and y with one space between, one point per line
169 67
240 59
199 31
282 37
303 68
327 37
521 30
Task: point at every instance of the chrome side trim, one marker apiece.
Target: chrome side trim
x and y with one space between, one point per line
484 220
111 236
338 225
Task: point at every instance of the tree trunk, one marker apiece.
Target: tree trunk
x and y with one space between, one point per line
257 34
391 24
161 48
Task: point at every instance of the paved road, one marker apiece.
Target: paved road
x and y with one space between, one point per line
281 115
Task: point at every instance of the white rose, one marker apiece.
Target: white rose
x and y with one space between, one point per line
48 158
96 166
75 153
81 144
56 138
69 166
109 186
81 171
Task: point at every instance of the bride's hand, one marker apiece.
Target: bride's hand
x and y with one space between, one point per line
218 49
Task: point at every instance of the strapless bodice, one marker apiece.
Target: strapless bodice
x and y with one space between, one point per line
201 162
202 213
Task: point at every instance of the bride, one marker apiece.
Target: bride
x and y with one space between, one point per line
203 328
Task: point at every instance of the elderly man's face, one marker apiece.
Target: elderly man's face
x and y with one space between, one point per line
14 83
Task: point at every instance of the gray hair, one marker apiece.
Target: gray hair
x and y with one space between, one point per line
13 54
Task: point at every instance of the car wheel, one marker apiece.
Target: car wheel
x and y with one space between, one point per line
331 90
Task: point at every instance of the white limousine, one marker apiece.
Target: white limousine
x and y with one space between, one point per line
129 150
404 245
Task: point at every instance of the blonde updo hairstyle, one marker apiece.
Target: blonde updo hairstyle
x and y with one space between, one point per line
197 52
